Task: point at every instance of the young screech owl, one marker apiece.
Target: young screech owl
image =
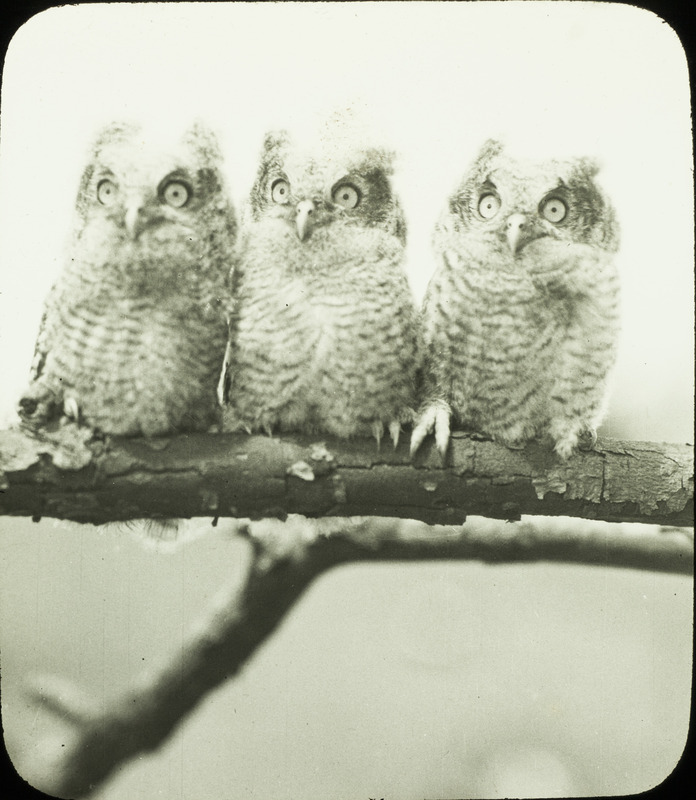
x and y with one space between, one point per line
323 336
521 317
133 329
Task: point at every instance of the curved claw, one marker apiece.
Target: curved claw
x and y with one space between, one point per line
435 418
71 409
395 432
442 431
223 387
378 430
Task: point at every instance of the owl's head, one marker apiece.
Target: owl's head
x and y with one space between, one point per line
510 202
145 188
309 191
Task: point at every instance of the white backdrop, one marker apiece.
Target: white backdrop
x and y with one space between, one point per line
434 79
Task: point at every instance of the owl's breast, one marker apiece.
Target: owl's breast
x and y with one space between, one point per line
134 368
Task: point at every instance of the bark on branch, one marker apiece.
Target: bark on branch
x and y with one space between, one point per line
286 558
65 474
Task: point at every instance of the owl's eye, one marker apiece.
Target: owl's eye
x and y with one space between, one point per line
280 191
106 192
554 209
176 194
489 205
346 196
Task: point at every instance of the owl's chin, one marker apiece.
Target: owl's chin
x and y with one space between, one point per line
526 246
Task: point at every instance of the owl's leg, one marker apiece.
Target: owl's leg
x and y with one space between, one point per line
579 394
434 417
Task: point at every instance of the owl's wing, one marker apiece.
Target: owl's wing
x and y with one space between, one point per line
41 401
223 388
40 349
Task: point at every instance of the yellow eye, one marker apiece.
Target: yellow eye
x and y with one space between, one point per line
176 194
489 205
554 209
106 192
346 196
280 191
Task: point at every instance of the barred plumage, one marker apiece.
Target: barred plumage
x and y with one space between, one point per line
323 337
133 330
521 316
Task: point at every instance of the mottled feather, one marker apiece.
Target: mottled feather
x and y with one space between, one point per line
133 329
323 338
521 317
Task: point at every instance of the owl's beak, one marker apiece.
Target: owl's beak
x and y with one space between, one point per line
303 219
135 220
519 231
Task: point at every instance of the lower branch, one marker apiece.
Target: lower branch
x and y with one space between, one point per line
286 558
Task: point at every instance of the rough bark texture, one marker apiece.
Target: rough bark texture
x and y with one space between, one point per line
64 474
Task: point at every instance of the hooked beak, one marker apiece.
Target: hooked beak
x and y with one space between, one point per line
513 230
135 222
519 231
303 221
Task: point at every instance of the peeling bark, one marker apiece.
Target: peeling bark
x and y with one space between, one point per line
64 474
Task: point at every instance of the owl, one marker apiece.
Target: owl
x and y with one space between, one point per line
323 337
520 319
135 326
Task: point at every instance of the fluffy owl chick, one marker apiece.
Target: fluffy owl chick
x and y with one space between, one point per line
323 335
520 319
134 328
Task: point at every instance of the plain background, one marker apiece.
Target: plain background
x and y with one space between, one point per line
390 681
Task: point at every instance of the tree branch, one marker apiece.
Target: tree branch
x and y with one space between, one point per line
65 474
286 558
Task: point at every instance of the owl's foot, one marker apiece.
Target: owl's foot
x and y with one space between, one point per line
587 439
39 404
434 418
404 415
568 442
231 423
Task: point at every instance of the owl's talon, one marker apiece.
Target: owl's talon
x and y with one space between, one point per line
442 431
395 432
436 417
71 410
378 431
587 439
